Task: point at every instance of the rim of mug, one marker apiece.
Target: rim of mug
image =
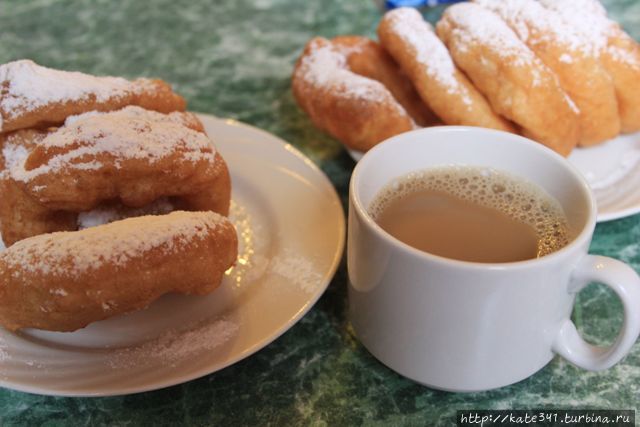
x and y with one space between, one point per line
579 239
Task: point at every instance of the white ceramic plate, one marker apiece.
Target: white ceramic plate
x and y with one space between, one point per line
612 170
291 229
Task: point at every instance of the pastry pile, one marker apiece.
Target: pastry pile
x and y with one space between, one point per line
557 71
79 157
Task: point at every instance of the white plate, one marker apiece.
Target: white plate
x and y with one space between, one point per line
612 169
291 228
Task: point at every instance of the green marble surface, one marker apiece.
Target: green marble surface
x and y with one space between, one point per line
233 58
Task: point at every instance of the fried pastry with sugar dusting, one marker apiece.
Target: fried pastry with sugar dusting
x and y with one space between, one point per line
367 58
566 52
64 281
131 156
515 81
412 43
618 52
358 111
36 96
18 144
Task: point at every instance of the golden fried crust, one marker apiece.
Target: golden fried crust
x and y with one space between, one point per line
518 85
21 216
619 53
622 61
36 96
131 156
415 47
25 139
569 56
367 58
358 111
64 281
109 156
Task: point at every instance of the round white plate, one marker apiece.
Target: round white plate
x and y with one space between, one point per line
291 230
612 169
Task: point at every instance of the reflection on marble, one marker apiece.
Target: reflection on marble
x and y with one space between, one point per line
233 58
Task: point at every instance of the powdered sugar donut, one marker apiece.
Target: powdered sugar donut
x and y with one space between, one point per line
413 44
516 82
358 111
64 281
36 96
618 52
569 55
132 156
367 58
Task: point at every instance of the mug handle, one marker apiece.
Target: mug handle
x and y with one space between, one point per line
626 284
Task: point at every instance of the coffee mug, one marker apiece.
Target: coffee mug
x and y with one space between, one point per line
465 326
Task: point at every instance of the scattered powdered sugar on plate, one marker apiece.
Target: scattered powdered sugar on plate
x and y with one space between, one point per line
174 346
251 263
300 270
3 350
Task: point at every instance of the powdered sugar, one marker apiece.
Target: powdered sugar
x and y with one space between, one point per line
29 86
326 68
174 346
587 18
116 243
534 24
107 214
298 270
14 155
430 52
3 350
476 25
131 133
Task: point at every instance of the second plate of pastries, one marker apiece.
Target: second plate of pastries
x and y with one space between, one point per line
560 72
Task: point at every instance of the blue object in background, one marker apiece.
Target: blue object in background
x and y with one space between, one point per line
392 4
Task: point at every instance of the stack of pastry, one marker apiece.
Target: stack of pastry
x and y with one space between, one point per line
84 160
558 71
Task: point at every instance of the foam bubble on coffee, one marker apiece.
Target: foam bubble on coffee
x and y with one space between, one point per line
519 199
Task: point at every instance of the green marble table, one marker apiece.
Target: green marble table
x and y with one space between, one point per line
233 58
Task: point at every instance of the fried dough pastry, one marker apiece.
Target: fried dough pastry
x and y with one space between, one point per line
358 111
516 82
131 156
412 43
619 53
569 56
17 144
36 96
64 281
367 58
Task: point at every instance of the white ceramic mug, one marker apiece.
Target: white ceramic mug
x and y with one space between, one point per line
464 326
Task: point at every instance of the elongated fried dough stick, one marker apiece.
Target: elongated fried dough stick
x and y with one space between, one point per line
64 281
568 54
516 82
413 44
36 96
